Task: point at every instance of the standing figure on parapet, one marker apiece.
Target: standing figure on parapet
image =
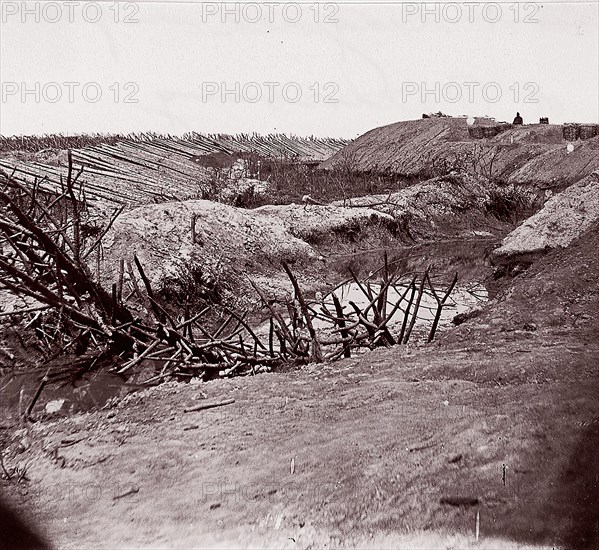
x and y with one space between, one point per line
518 119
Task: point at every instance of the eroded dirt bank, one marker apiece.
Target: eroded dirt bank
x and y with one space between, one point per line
501 412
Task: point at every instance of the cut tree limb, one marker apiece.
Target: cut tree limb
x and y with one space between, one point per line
209 405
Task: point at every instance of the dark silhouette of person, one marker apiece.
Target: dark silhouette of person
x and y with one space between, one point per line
15 534
518 119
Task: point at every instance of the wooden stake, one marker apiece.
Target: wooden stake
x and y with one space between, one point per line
416 306
36 395
316 354
120 280
440 304
342 326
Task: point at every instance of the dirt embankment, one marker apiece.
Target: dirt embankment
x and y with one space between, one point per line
531 154
559 292
233 243
442 206
564 217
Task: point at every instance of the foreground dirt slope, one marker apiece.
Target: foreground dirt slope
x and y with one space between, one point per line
503 412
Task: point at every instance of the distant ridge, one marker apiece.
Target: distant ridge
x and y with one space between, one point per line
521 154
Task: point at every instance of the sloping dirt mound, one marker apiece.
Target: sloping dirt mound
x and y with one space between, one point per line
316 224
563 218
445 204
529 154
401 147
556 165
229 242
561 289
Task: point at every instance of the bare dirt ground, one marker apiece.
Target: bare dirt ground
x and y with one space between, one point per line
499 416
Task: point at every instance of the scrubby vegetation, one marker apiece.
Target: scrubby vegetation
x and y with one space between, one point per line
290 180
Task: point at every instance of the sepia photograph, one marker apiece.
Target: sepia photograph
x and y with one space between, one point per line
299 275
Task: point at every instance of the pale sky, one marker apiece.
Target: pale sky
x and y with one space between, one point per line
329 69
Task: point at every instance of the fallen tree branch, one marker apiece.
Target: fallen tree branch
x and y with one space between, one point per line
210 405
